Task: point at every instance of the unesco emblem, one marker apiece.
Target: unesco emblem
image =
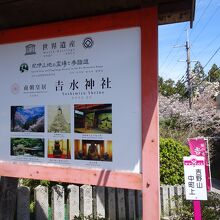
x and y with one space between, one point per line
88 42
24 67
30 49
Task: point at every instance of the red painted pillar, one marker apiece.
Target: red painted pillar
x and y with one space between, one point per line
150 125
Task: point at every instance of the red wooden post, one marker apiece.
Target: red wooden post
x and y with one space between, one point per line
150 134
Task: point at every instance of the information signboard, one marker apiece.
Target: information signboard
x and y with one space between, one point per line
195 180
71 101
79 103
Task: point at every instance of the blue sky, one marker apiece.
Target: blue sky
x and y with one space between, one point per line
204 40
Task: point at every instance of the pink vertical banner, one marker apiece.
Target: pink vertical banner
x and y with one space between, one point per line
198 147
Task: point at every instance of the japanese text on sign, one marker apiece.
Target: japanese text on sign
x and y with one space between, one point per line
195 181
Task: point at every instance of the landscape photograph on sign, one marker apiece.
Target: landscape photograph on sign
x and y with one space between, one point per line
98 150
59 149
59 119
31 147
93 118
27 118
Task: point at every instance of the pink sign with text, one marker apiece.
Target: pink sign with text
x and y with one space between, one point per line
198 147
194 175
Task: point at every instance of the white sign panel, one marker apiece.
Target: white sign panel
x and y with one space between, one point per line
195 180
73 101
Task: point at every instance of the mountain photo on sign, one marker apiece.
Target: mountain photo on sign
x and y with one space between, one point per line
59 118
27 118
93 118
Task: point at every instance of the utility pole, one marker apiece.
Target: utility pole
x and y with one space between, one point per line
188 70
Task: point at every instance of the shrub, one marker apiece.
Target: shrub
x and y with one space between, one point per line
171 161
210 208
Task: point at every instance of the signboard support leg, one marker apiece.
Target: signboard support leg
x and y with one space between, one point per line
150 127
197 210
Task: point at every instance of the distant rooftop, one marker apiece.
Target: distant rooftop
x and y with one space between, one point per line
18 13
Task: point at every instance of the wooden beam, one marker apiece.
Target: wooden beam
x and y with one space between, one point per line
150 120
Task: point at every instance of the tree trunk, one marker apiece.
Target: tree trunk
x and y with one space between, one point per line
8 195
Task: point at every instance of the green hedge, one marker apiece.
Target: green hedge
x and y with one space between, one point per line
171 161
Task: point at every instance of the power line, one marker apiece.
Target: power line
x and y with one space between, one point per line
172 59
182 79
205 78
188 70
161 66
189 78
183 83
199 34
186 80
174 98
209 44
177 60
203 13
171 50
209 60
178 75
212 57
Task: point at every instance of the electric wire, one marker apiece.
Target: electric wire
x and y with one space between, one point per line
178 91
171 50
205 78
212 57
184 78
209 44
183 85
202 14
205 25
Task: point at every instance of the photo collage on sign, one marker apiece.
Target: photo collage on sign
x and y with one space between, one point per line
56 131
